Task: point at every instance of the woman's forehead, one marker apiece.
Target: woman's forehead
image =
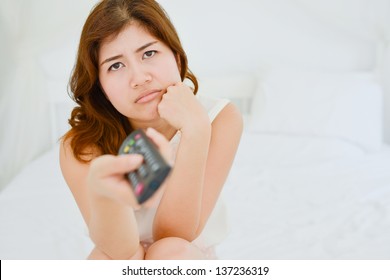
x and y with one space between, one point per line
133 33
131 37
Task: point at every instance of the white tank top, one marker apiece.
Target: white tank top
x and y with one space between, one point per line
216 227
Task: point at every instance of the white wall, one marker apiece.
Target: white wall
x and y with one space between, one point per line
246 35
346 35
221 37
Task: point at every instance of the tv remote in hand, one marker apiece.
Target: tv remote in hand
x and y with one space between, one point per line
154 169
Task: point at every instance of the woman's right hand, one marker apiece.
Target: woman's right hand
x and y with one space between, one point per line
106 177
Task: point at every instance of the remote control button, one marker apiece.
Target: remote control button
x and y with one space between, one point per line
139 189
143 171
133 177
141 142
155 167
154 185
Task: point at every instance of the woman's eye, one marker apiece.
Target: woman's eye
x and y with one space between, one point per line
116 66
149 54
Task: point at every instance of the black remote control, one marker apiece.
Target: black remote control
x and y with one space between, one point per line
154 169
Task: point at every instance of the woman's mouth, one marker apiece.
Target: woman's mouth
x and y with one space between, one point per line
147 96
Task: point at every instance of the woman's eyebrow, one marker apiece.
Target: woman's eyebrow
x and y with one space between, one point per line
137 51
111 58
145 46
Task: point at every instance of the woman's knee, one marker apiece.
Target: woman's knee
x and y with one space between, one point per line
97 254
173 248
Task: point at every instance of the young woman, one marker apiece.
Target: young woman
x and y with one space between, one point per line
129 74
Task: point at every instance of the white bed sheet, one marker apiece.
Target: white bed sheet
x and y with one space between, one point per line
38 216
294 197
288 197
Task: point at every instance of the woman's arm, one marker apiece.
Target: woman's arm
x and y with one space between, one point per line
203 161
226 134
104 198
179 211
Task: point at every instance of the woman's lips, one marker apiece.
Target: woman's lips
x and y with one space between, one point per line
146 97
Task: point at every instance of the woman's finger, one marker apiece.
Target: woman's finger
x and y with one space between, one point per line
108 165
161 142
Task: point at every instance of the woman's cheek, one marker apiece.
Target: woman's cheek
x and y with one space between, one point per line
170 70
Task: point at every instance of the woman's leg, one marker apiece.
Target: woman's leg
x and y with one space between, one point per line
173 248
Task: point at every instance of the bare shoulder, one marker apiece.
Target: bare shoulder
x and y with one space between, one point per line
68 162
228 122
75 173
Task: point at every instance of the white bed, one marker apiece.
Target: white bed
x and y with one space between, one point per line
283 203
301 187
287 203
311 178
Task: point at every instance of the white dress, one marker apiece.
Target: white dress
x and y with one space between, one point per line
216 227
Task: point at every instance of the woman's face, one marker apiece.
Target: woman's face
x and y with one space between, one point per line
134 70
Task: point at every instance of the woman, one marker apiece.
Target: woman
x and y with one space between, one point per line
129 74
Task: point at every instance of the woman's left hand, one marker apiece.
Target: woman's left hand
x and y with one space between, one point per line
180 108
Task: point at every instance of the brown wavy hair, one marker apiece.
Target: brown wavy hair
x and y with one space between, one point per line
96 126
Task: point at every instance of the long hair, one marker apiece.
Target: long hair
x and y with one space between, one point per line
96 126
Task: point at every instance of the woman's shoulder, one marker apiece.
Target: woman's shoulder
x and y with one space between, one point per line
229 118
87 154
222 109
69 162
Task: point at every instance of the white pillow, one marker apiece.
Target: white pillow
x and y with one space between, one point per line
343 105
237 87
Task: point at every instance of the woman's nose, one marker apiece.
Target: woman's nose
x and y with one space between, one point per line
140 76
